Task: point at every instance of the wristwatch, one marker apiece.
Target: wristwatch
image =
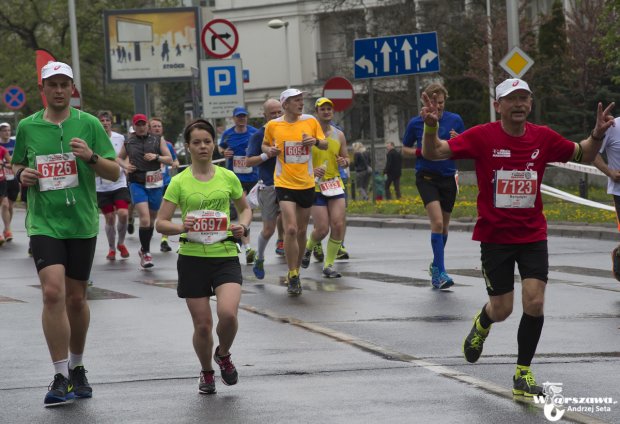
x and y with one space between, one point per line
246 230
93 159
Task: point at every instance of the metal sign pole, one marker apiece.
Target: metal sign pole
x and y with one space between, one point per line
373 135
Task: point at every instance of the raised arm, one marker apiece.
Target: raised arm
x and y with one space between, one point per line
432 147
586 150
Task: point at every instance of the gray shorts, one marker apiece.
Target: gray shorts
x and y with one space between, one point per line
268 203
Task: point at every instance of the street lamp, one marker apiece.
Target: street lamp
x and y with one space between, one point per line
277 24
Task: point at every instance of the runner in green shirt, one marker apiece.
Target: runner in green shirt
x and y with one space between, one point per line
208 261
58 152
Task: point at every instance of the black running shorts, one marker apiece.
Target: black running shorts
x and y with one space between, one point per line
75 254
199 277
12 190
498 264
435 187
304 198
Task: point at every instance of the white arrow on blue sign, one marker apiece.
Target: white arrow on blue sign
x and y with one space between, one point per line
396 55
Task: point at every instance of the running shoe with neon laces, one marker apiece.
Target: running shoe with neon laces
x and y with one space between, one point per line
294 286
227 368
525 385
280 247
111 255
81 388
164 246
206 382
8 235
318 253
250 255
329 272
60 391
146 260
472 346
342 253
305 260
259 269
123 249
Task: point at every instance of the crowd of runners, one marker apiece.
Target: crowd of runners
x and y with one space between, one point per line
72 167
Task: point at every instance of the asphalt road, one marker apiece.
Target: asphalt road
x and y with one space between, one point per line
378 345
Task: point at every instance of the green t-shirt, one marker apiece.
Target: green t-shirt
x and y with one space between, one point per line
48 212
191 194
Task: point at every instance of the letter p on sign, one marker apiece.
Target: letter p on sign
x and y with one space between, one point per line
222 81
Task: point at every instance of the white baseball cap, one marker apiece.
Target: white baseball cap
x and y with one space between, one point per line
290 92
5 124
56 68
510 85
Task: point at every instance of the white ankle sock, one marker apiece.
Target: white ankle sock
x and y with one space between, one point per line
75 360
62 367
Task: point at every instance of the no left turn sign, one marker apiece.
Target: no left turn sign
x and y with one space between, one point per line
219 38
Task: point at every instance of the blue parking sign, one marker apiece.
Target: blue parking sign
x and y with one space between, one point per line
222 81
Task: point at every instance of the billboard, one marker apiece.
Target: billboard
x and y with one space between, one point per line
151 44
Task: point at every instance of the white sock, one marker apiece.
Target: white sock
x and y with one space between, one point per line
75 360
62 367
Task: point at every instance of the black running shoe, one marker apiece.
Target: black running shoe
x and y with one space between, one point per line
164 246
472 346
305 260
525 385
294 286
206 382
81 387
318 253
227 368
130 227
60 391
615 262
329 272
342 254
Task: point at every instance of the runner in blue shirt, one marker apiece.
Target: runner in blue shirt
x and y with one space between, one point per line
233 145
436 180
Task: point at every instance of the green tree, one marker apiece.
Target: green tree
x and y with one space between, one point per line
28 25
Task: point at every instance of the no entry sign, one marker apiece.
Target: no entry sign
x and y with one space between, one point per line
340 91
219 38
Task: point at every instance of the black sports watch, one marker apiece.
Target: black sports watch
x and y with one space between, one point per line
246 230
93 159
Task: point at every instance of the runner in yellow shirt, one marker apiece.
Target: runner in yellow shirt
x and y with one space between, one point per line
328 211
293 135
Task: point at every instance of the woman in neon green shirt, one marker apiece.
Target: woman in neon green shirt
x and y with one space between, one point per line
208 261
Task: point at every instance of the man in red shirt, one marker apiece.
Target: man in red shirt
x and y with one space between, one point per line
510 157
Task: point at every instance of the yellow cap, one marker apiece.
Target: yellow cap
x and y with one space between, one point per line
322 100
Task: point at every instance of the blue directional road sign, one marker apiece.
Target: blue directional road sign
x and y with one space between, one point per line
396 55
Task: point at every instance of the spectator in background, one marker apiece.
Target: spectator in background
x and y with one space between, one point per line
363 168
393 170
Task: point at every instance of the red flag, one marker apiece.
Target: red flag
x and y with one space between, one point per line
42 59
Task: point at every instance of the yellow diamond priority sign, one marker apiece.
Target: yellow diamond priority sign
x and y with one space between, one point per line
516 62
